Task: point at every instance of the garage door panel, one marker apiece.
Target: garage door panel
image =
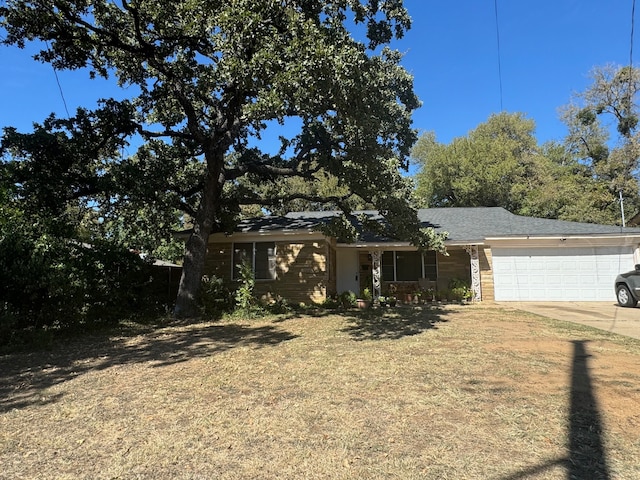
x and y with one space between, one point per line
562 274
537 279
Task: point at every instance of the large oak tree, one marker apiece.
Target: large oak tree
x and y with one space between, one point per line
212 77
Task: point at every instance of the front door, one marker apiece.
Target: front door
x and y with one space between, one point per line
347 270
366 273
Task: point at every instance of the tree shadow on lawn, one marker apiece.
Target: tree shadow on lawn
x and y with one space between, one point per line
394 323
24 377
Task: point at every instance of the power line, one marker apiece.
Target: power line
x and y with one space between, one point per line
495 4
55 72
633 21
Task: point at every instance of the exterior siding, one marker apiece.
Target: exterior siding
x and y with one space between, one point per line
302 273
486 273
456 265
303 270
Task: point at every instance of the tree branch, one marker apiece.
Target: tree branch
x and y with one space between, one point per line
338 200
165 133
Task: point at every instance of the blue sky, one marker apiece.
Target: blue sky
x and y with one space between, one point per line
547 49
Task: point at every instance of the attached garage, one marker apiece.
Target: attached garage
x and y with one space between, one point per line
567 273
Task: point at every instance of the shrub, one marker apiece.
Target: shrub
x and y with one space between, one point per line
460 290
215 298
245 300
348 299
332 302
279 306
52 282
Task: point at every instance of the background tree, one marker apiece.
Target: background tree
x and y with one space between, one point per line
489 167
212 76
563 188
609 101
501 164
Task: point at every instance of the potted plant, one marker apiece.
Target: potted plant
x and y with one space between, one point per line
387 301
392 300
417 297
365 298
430 294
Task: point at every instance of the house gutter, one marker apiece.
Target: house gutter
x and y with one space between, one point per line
599 240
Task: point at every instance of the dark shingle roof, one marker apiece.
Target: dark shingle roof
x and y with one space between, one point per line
464 224
478 223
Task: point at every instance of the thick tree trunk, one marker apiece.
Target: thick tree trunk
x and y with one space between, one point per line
192 267
196 246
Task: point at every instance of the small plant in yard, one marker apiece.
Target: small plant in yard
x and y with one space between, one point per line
348 299
365 298
245 300
332 302
460 290
429 294
387 301
279 306
215 296
417 296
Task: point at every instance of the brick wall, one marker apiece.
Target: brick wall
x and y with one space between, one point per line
456 265
486 273
302 270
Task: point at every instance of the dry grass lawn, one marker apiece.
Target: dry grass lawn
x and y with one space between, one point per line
451 392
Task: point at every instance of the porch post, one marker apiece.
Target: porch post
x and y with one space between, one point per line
375 267
472 250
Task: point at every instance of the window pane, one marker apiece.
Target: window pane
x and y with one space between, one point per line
387 267
430 265
408 266
241 252
265 260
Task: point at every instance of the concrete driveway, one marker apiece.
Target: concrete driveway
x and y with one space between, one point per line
603 315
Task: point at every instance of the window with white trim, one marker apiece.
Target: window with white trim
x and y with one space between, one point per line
408 266
260 255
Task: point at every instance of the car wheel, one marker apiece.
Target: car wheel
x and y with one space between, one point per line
624 297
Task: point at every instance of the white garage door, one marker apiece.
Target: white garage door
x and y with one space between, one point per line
560 274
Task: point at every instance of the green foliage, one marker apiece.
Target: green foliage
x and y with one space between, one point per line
482 169
244 297
211 77
215 297
49 282
348 299
609 156
332 302
279 306
460 289
500 164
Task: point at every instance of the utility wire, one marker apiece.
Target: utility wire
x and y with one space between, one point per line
495 4
55 72
633 22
